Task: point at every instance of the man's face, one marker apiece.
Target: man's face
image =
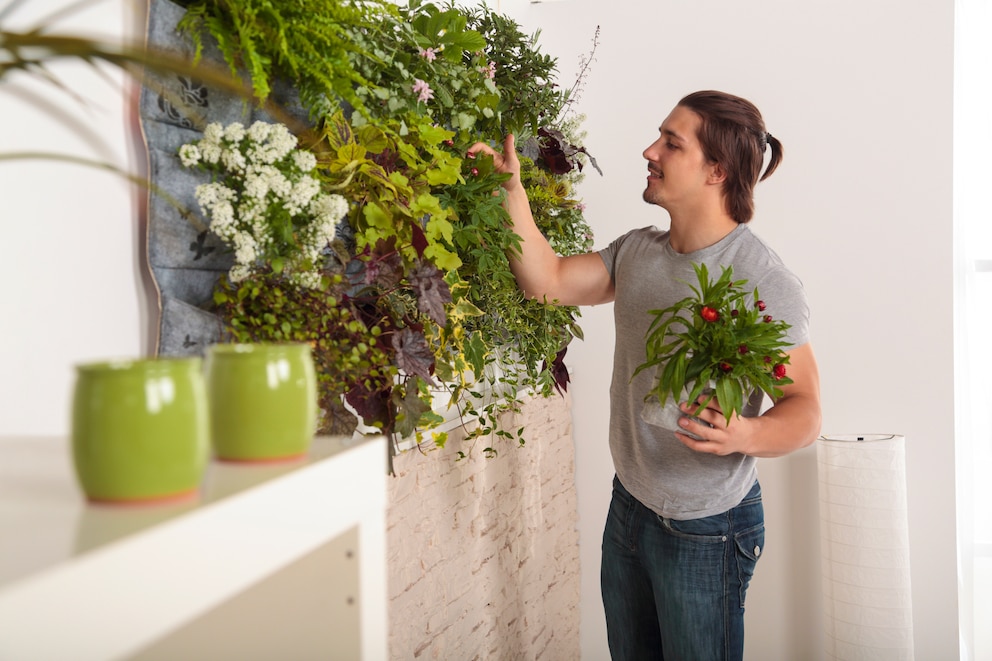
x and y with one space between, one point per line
677 169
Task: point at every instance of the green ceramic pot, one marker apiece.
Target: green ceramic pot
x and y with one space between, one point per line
263 401
139 429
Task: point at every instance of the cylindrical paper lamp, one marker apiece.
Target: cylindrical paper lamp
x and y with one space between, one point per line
865 547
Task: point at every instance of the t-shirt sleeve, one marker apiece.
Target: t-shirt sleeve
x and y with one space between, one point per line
784 294
610 252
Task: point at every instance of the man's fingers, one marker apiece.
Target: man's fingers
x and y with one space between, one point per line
481 147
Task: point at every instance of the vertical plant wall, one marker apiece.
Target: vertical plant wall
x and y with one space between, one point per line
339 206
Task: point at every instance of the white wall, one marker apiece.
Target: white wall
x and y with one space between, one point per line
72 282
860 95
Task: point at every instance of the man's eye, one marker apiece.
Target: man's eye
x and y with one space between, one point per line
671 145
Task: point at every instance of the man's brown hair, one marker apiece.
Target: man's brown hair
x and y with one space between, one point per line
733 134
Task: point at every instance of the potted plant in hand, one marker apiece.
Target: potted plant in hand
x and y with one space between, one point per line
719 343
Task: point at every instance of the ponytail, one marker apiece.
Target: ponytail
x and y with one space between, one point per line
776 157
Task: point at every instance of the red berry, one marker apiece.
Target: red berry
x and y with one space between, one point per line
470 154
475 172
779 371
726 367
742 349
734 313
709 314
768 319
762 306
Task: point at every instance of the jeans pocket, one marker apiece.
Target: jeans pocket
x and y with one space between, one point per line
750 545
707 529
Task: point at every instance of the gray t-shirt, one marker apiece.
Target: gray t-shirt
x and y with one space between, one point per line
652 464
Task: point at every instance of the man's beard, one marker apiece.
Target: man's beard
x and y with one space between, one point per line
651 197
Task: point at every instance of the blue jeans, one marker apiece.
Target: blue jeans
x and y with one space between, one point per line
674 590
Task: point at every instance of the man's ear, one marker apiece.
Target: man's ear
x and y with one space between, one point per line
717 174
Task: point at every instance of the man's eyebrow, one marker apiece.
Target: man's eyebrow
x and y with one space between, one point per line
672 134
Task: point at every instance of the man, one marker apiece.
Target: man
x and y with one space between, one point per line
686 524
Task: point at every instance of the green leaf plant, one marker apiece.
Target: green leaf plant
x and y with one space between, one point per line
717 343
417 296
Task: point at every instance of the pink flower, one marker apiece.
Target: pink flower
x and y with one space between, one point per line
429 54
489 70
422 90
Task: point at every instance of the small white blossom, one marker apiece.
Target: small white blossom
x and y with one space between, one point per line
329 208
213 133
245 249
189 155
302 192
210 152
210 194
262 176
282 140
256 186
238 273
222 218
234 160
304 160
259 131
234 132
279 184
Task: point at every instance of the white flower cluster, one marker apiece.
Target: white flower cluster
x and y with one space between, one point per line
265 203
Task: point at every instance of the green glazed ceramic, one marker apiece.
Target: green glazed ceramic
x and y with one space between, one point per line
139 429
263 401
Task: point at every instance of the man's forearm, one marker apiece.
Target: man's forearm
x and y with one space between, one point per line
536 265
793 423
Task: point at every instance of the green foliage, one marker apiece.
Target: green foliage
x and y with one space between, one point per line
310 43
347 349
396 96
717 342
529 96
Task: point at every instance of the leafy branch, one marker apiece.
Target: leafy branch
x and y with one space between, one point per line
718 343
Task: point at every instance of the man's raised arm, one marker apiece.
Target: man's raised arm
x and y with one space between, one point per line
540 272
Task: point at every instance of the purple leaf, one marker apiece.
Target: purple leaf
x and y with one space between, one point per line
560 372
419 238
385 266
558 155
372 405
432 291
413 355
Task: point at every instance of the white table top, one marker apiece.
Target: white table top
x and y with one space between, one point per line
45 519
59 555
